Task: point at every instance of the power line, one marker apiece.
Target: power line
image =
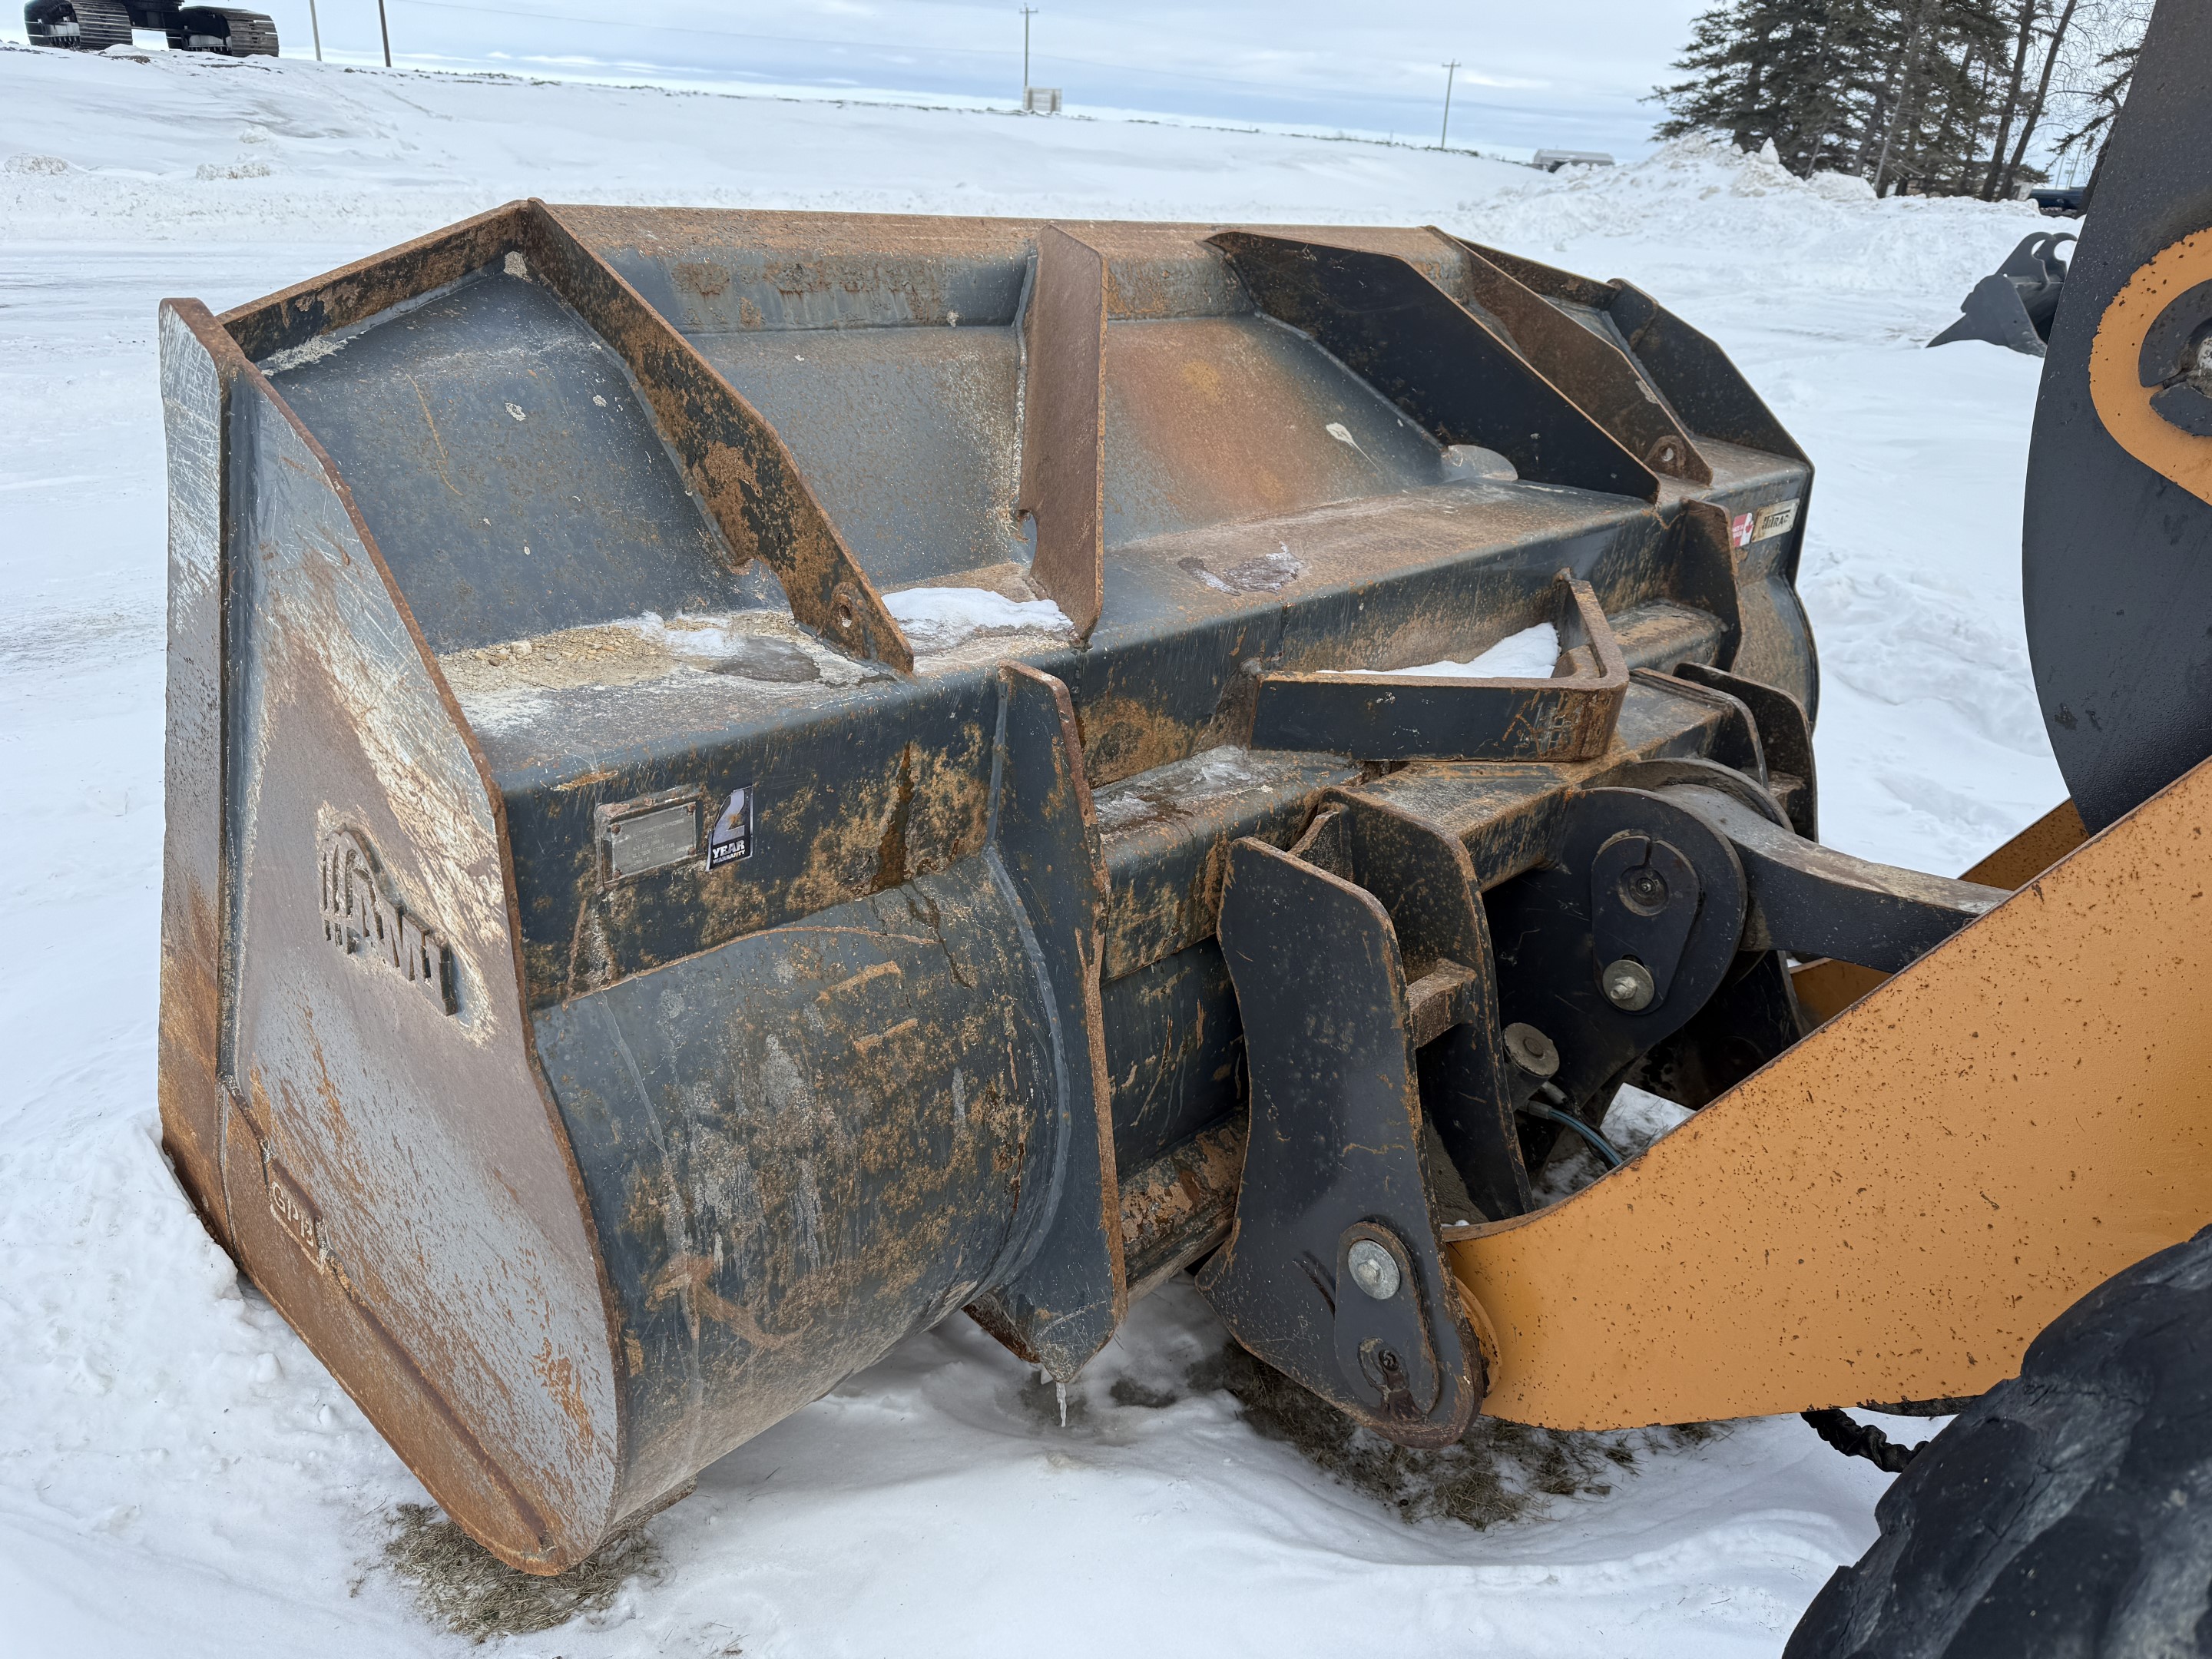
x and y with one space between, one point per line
1444 138
1028 12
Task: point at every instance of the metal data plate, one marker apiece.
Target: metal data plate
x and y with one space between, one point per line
649 841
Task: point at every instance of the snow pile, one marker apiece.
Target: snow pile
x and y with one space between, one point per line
1700 211
180 1476
1833 186
938 618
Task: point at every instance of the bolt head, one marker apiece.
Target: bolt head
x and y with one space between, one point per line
1531 1050
1373 1268
1645 889
1628 985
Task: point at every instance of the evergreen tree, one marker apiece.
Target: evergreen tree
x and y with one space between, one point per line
1783 70
1935 101
1912 94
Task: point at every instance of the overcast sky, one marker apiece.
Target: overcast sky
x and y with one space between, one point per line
1563 75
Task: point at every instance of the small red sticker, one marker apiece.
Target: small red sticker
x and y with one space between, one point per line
1740 529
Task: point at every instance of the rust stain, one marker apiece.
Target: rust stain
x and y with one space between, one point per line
445 461
691 1277
191 1014
885 970
558 1373
1179 1206
724 472
588 780
890 851
702 276
1124 736
1601 378
865 1046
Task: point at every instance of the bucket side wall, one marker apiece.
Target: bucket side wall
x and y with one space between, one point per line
801 1147
390 1171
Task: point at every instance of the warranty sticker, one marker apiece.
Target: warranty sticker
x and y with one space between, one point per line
733 836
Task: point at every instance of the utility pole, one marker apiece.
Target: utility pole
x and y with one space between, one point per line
1028 12
386 29
1444 139
316 24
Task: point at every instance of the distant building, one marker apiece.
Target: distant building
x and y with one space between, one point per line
1041 100
1552 160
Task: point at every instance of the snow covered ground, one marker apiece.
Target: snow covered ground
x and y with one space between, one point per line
178 1475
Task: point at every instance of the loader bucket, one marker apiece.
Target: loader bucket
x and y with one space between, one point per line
740 783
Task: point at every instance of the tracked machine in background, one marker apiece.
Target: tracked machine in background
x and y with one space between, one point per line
618 979
96 25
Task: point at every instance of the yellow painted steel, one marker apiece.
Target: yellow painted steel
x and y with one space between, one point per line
1825 988
2116 386
2033 850
1896 1207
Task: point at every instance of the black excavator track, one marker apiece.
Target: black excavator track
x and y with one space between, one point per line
77 25
232 33
96 25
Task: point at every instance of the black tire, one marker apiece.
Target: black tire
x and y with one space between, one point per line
2066 1512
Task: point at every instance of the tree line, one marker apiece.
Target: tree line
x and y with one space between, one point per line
1945 97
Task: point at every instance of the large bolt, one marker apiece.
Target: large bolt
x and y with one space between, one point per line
1628 985
1374 1269
1643 890
1531 1050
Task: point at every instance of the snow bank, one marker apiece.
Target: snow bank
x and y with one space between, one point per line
1731 239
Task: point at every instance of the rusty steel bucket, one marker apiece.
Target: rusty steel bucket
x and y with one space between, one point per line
741 783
